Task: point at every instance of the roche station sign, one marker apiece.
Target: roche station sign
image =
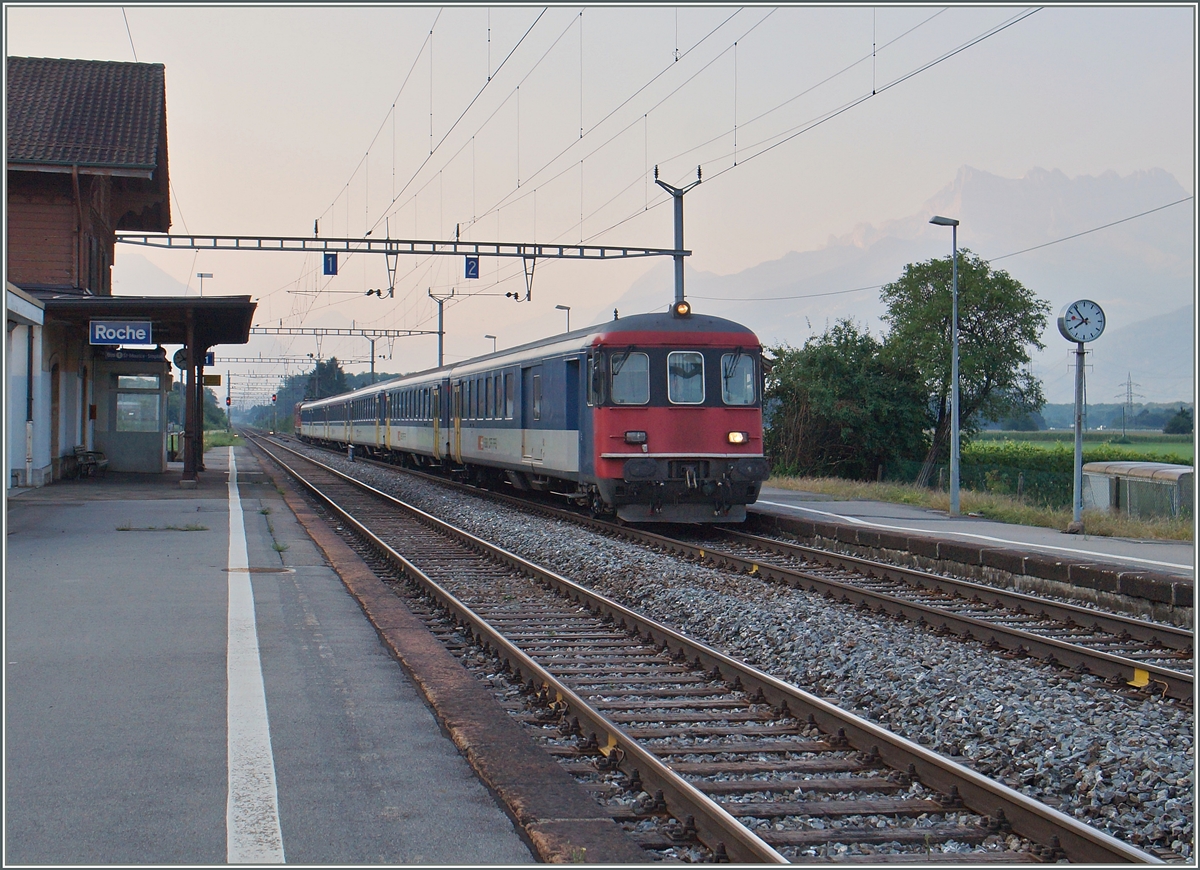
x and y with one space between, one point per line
121 332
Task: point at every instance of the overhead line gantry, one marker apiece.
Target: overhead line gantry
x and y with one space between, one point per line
394 247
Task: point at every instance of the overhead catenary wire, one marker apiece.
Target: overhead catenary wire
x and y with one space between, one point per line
645 114
646 205
795 131
986 260
503 201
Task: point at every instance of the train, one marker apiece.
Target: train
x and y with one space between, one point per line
652 418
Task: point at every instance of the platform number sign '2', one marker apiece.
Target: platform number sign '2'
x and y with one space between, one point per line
472 267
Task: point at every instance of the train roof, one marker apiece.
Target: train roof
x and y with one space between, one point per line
607 332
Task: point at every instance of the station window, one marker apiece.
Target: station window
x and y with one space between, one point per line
685 377
139 404
630 378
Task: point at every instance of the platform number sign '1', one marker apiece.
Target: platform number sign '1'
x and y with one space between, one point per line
331 264
472 267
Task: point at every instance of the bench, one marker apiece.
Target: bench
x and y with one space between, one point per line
89 463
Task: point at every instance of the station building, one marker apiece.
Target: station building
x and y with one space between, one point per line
86 151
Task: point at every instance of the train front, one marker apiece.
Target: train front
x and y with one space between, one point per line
677 418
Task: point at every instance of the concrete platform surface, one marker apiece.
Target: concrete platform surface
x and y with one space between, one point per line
131 733
1173 557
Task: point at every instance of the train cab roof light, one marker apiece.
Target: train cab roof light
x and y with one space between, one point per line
681 308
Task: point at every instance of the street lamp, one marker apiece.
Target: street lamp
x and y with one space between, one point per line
493 338
953 224
566 308
202 276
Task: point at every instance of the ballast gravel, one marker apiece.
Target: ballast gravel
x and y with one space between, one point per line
1123 765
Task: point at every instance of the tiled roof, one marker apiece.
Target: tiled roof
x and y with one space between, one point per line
85 112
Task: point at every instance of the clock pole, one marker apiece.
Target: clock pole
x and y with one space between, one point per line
1079 322
1077 501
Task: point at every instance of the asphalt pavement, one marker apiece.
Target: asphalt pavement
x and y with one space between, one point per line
1172 557
123 735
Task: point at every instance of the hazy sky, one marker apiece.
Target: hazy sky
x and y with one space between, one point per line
279 116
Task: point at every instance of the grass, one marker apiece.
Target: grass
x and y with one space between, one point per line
1001 508
221 438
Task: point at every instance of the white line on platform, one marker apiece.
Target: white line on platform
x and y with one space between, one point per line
252 832
988 538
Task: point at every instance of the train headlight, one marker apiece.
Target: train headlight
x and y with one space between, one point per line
635 437
739 437
681 309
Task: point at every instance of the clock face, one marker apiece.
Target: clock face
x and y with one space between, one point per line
1081 321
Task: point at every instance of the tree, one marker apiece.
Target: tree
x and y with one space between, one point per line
327 379
1180 424
1025 421
837 406
999 321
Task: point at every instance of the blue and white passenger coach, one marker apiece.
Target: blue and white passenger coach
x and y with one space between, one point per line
656 417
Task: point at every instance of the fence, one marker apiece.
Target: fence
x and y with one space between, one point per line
1048 488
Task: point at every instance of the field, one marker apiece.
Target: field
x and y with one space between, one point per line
1153 445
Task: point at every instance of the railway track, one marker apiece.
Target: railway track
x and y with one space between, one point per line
693 751
1130 654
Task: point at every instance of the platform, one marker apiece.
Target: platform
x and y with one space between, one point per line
1169 557
153 717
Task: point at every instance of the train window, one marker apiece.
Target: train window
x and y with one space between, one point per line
630 378
499 397
537 397
737 378
510 396
489 399
685 377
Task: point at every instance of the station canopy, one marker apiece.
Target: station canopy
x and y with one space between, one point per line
215 320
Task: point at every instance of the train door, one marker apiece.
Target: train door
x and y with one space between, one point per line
571 388
435 413
456 411
533 439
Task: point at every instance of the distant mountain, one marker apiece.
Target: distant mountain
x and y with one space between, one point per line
1156 356
1142 272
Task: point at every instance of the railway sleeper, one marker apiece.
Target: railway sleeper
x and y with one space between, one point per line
821 785
924 836
911 807
821 764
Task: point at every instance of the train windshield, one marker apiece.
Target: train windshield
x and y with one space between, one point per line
685 377
737 378
630 378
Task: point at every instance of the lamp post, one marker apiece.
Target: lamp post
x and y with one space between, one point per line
493 338
954 446
566 308
202 276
